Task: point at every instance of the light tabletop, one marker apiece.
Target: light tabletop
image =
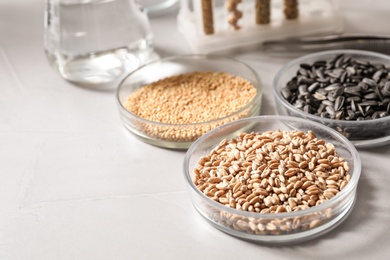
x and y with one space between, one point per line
75 185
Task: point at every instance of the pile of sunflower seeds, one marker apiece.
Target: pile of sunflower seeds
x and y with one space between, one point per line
343 88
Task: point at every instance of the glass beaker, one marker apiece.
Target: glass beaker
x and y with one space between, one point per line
95 43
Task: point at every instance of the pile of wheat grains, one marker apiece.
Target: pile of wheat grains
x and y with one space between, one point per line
272 172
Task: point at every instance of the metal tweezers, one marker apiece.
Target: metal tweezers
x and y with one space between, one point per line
330 42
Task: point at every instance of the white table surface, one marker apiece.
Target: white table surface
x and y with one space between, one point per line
74 185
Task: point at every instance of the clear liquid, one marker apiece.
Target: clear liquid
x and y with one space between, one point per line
95 43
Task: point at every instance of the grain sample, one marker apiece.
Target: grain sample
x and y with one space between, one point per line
234 14
291 9
269 173
207 15
263 11
190 98
342 88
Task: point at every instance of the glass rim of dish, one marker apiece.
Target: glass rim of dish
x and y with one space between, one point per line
254 100
297 61
352 184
